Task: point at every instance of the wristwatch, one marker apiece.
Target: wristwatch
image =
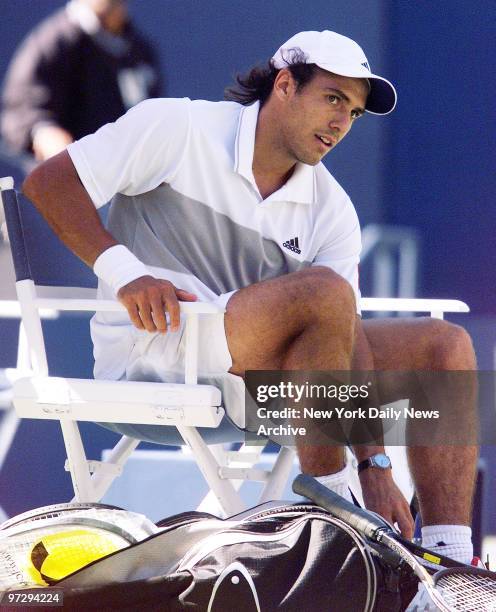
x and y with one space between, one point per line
380 460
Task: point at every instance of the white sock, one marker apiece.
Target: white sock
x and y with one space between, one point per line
338 483
453 541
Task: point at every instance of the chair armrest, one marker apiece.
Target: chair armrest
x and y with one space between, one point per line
11 309
115 306
190 309
367 304
435 307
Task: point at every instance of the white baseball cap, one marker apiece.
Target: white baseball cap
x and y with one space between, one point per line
340 55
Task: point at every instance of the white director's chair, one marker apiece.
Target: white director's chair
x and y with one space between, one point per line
50 277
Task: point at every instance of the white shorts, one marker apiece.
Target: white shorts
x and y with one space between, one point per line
160 358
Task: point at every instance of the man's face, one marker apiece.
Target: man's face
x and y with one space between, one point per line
319 115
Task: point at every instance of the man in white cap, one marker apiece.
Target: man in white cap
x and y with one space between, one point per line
228 202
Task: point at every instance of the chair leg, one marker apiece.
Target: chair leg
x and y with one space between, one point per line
106 472
8 430
279 475
246 457
77 463
227 496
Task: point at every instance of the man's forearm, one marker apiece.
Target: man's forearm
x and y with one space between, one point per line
55 189
363 362
363 452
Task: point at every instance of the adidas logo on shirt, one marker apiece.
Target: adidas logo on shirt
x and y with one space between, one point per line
293 245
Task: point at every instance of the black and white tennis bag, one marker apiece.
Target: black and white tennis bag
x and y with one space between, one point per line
277 556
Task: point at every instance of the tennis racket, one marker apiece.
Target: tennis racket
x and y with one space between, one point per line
460 588
54 510
44 545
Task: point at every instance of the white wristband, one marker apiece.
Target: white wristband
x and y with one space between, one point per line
117 267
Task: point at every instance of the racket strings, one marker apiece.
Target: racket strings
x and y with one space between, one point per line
468 592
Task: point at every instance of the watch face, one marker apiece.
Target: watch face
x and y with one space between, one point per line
382 461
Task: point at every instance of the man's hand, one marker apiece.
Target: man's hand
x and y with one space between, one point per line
48 140
147 299
381 495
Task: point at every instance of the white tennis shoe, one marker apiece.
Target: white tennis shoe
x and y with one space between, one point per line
422 602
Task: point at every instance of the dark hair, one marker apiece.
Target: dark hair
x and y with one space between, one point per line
258 82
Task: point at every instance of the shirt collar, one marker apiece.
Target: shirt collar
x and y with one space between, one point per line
301 185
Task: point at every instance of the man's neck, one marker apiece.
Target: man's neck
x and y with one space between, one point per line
268 183
272 166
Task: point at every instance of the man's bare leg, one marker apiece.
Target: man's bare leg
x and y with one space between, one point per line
444 476
301 321
380 492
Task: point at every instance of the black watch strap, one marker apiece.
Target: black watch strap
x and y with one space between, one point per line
370 462
363 465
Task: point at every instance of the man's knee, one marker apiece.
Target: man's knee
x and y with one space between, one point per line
451 347
329 294
264 319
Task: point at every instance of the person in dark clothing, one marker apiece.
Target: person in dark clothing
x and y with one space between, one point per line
80 68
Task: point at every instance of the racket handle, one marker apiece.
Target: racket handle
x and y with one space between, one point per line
364 522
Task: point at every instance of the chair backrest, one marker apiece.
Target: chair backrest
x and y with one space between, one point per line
44 268
38 253
40 258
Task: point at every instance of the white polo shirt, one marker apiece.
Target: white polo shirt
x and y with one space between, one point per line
185 202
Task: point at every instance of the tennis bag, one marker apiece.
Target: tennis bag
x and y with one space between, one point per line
276 556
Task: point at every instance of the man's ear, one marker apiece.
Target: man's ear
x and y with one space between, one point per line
284 84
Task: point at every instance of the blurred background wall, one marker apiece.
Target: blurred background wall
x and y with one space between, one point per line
429 166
